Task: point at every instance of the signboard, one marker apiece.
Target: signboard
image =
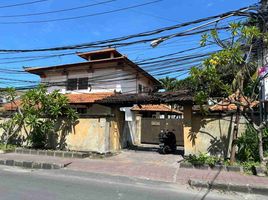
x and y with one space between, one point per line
155 123
263 73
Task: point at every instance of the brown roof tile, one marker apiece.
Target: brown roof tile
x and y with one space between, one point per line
12 105
87 98
73 99
228 105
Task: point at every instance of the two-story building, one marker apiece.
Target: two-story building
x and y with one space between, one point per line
105 73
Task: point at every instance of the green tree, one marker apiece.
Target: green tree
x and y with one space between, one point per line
184 84
38 113
169 84
42 112
13 123
232 70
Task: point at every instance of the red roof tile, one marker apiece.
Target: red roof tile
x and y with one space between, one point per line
87 98
73 99
12 106
228 105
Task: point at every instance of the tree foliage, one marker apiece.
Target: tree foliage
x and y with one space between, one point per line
231 71
38 113
248 144
172 84
11 125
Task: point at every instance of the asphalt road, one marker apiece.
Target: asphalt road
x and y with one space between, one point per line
22 184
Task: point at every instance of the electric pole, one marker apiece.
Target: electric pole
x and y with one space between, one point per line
262 63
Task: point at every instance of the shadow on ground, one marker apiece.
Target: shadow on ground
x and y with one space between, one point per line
154 148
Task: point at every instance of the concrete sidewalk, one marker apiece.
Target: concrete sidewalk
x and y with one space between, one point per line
166 168
149 166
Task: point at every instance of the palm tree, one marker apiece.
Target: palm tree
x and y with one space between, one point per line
169 84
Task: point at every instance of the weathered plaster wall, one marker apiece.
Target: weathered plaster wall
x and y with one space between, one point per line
210 134
88 134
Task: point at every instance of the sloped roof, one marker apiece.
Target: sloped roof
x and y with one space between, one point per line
85 55
120 58
155 108
178 97
87 98
73 99
109 98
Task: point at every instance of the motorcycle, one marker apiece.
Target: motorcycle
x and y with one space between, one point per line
167 142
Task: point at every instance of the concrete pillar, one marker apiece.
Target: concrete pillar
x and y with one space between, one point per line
103 139
187 126
137 136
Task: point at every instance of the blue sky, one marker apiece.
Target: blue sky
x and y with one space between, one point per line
149 17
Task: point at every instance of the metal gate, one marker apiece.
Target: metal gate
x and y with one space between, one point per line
151 127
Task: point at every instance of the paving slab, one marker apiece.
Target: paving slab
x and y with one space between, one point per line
144 165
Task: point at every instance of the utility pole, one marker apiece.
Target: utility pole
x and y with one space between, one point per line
262 54
263 63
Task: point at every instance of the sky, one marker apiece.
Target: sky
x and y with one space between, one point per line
155 15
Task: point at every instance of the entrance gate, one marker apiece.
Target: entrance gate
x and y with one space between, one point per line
151 127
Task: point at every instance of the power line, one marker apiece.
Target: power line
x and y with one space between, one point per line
154 68
57 11
82 16
22 4
149 14
143 34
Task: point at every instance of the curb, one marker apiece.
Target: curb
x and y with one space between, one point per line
216 167
32 165
62 154
230 187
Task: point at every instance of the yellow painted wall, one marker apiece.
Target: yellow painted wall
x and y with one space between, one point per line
89 134
210 134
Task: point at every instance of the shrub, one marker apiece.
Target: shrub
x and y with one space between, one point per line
7 147
248 145
203 159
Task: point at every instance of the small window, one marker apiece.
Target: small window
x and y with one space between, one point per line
140 88
77 84
72 84
83 83
100 56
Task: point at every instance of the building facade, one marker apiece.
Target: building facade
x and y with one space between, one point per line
105 71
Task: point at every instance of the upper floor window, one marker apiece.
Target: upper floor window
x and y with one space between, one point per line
77 84
140 88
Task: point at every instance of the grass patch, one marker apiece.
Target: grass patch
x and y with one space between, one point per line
203 159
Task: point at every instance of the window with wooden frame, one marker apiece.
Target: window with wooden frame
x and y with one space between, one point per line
72 84
83 83
77 84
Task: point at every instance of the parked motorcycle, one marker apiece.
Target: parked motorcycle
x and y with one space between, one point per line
167 142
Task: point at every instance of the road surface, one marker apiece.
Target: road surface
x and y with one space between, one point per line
23 184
